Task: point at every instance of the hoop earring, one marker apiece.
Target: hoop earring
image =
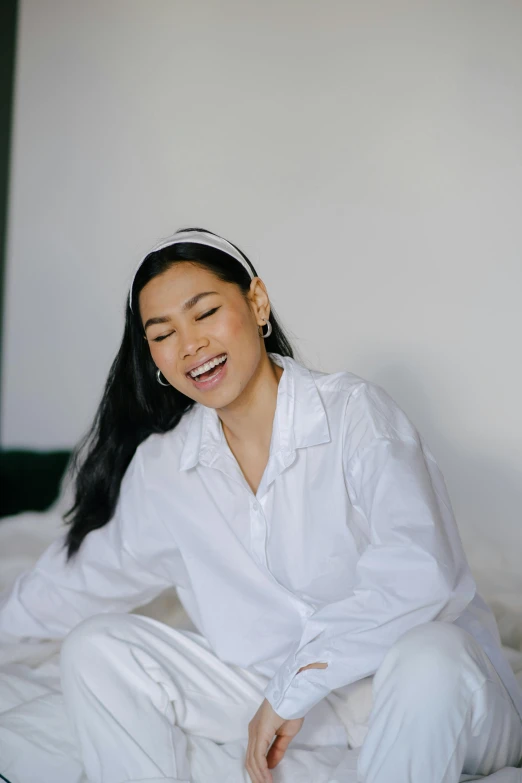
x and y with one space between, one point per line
268 330
158 378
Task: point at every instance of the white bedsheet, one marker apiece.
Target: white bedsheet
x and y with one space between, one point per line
36 745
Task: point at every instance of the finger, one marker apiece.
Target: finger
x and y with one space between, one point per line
252 766
260 750
277 750
249 761
256 774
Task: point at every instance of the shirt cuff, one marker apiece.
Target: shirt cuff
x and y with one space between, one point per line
292 694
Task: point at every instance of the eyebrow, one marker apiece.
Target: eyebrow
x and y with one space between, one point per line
189 304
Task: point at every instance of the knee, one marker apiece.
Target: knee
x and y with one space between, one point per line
428 659
86 645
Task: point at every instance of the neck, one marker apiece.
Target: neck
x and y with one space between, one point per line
249 420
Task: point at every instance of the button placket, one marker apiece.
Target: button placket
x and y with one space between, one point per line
258 531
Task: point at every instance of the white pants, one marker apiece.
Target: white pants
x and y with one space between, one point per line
134 688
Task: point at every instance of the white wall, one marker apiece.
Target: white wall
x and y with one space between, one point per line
366 156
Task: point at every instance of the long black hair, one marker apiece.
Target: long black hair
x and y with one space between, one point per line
134 405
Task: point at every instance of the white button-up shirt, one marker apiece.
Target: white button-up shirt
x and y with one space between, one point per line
349 542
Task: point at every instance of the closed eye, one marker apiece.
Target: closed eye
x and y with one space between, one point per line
205 315
210 312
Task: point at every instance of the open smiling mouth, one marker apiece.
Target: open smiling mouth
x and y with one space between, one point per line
211 377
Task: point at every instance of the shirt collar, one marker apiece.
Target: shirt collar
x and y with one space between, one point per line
300 419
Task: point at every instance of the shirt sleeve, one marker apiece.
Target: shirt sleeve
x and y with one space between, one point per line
49 599
412 571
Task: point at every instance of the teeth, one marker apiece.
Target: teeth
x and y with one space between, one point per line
207 366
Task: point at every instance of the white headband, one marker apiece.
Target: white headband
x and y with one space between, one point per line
198 238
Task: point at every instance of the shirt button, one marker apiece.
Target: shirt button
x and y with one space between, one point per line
255 506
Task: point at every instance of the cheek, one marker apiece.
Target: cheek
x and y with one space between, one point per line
238 325
161 353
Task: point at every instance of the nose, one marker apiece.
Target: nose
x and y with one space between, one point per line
191 340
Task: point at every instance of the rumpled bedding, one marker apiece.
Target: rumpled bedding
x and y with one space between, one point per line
36 744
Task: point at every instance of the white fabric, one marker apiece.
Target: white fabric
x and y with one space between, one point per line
187 517
141 695
439 708
198 238
147 687
134 689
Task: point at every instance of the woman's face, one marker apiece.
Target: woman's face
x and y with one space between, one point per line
185 329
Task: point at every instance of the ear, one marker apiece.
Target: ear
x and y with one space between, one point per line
259 300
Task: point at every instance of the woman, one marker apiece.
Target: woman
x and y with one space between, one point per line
309 534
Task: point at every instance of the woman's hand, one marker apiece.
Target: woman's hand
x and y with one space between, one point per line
261 729
313 666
